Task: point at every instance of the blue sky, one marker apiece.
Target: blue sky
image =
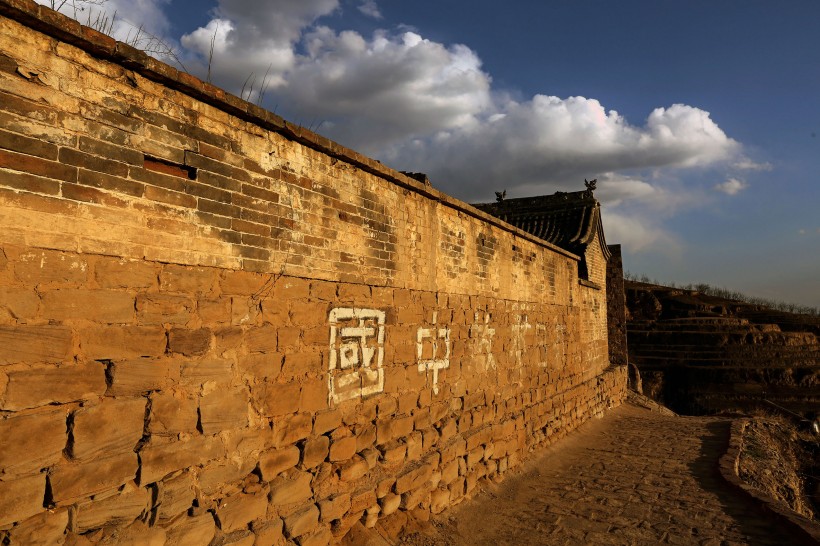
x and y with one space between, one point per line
700 119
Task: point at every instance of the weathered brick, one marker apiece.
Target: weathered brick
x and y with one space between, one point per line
45 384
189 342
120 509
164 308
172 413
342 449
237 511
223 409
140 376
35 165
273 463
106 306
200 372
35 344
280 398
175 495
27 145
291 488
160 459
111 273
291 429
121 342
192 531
314 451
41 530
354 469
51 268
326 421
114 426
413 479
32 441
302 522
187 280
314 395
72 481
262 339
21 498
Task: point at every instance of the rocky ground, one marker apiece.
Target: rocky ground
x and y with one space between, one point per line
782 461
633 477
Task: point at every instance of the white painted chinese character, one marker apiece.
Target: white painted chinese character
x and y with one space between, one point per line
433 339
356 353
482 336
519 330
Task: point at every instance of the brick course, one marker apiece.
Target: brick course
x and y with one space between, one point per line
219 323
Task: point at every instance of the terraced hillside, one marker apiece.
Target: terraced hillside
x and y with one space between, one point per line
703 354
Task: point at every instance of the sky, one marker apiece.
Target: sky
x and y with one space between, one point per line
700 119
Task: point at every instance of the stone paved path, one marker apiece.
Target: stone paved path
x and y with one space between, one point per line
632 477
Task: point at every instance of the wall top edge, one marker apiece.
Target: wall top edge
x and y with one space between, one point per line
97 44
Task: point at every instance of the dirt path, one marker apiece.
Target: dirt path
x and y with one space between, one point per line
633 477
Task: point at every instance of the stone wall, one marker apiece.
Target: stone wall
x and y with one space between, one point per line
216 327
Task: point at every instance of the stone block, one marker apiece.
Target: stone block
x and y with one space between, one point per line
122 342
192 531
363 500
273 463
314 395
291 488
21 498
31 442
365 437
280 398
39 385
189 342
136 534
291 429
19 303
302 522
439 500
390 503
172 413
235 512
45 529
353 469
102 306
219 475
110 273
159 309
334 507
112 427
117 510
199 372
393 453
162 458
262 339
327 421
315 451
31 344
48 267
413 479
187 280
223 410
342 449
320 537
270 533
72 481
175 495
140 376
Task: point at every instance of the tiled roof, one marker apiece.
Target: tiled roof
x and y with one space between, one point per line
567 220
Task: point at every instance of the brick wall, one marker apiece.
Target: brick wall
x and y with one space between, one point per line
216 326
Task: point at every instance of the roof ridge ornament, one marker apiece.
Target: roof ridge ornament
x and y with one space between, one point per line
500 195
590 185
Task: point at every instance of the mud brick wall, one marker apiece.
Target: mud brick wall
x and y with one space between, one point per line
218 328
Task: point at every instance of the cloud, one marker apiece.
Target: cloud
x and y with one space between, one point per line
127 16
549 143
252 40
640 235
369 8
385 89
746 164
731 186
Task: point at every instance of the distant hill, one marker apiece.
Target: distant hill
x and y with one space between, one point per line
701 353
